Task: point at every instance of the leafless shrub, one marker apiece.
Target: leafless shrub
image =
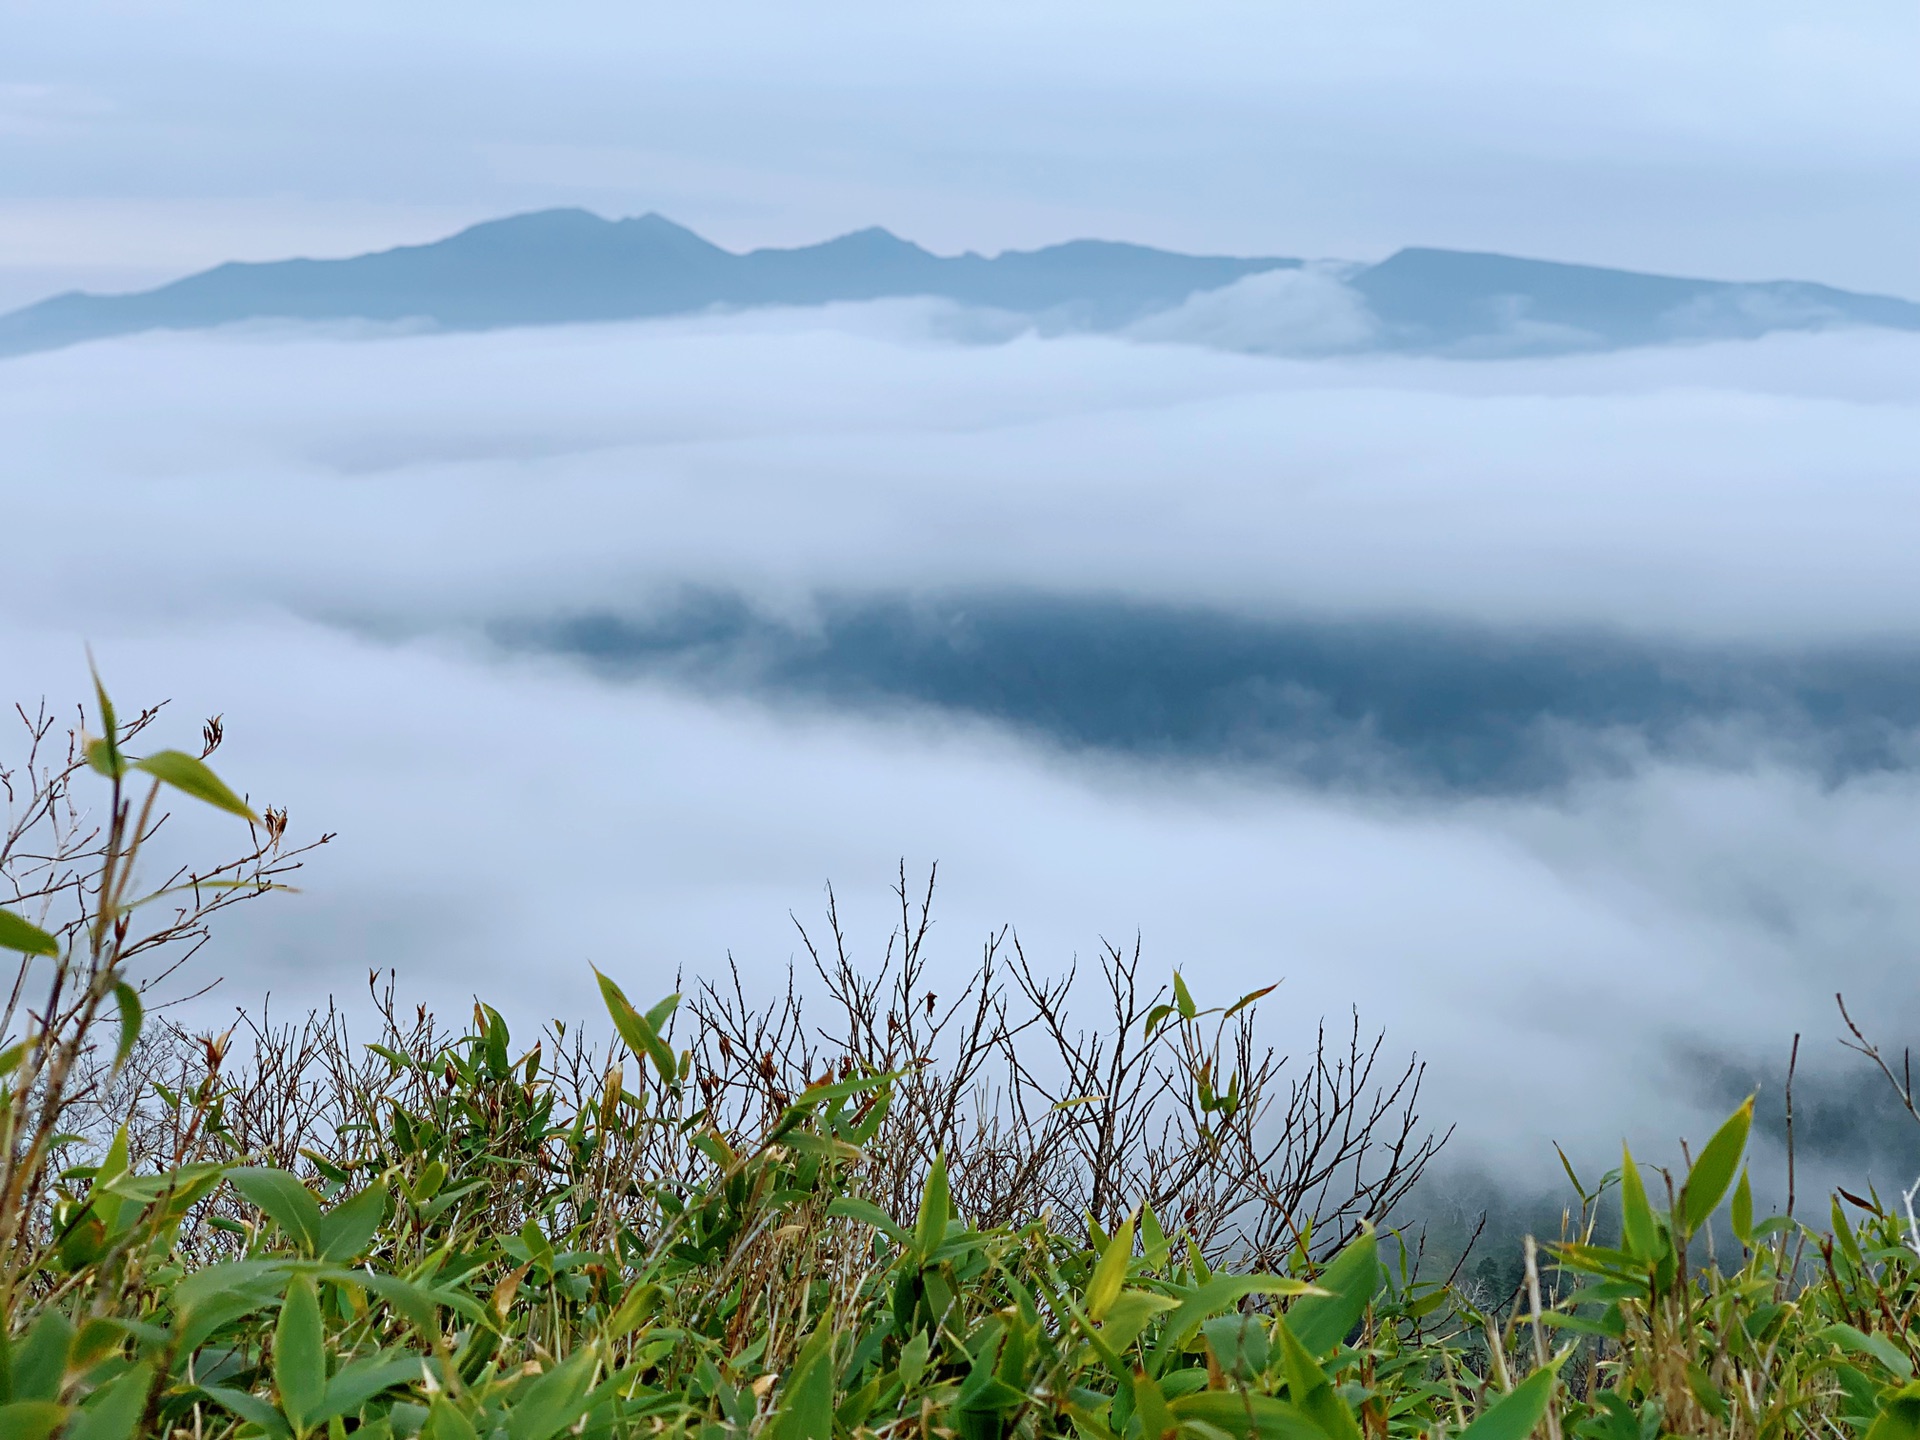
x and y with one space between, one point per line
1161 1102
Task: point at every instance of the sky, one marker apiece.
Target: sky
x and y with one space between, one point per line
143 140
1559 714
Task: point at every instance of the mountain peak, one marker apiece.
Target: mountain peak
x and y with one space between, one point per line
874 240
571 266
562 220
654 223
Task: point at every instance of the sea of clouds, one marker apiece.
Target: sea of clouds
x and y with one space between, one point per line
360 546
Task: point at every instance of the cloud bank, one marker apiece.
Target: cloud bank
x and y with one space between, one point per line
1283 312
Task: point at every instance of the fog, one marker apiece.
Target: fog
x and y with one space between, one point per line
1740 490
365 549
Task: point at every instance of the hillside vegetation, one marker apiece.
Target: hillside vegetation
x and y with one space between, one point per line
966 1218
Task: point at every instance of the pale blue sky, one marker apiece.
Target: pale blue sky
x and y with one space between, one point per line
1738 140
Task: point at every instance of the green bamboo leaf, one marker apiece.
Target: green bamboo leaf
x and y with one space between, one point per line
1130 1313
114 1409
1229 1411
1218 1296
357 1383
131 1014
1150 1407
913 1359
1844 1236
1572 1179
1899 1417
806 1399
346 1230
420 1307
868 1213
639 1302
1251 998
1184 998
1879 1347
1518 1413
1310 1389
494 1042
816 1095
1705 1393
1320 1322
1303 1372
107 1203
1110 1272
250 1408
104 754
17 934
1153 1238
1637 1229
660 1014
283 1197
539 1251
31 1419
40 1360
930 1228
300 1355
229 1277
635 1029
97 1339
1741 1211
1713 1172
446 1423
1074 1102
190 776
554 1401
1241 1345
220 1294
1609 1322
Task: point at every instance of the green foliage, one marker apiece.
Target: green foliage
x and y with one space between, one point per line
768 1296
190 776
488 1255
771 1297
17 934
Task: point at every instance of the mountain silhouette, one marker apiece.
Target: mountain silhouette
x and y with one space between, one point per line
571 266
1450 299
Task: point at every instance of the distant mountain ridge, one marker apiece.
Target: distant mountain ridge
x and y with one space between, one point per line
1450 298
571 266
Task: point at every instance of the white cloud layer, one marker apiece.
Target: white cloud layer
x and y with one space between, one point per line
204 509
1759 491
1279 312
